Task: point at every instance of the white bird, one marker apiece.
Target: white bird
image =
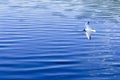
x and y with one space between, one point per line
88 30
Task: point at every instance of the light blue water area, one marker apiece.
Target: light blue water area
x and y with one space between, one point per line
42 40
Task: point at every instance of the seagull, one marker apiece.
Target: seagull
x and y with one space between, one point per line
88 30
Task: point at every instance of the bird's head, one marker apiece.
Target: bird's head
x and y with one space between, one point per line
88 22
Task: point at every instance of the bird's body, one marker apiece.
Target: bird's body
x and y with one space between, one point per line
88 30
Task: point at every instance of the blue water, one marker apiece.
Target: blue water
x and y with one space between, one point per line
41 40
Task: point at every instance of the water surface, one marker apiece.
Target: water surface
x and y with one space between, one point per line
41 40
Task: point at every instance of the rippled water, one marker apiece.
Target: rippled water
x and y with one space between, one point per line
41 40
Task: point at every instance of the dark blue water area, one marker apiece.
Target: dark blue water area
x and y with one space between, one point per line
42 40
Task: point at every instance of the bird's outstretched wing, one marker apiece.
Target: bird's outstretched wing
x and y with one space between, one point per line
88 35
